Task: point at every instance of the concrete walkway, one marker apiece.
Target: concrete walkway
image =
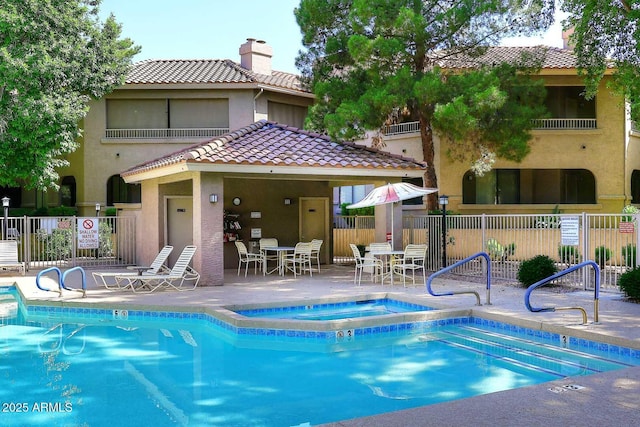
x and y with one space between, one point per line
611 398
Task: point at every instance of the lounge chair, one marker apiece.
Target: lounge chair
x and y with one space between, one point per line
158 266
9 256
375 264
246 257
177 278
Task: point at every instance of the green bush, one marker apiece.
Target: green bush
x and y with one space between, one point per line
629 255
629 283
498 251
368 211
603 254
535 269
568 254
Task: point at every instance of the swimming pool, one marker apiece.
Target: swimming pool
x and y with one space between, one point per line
335 310
97 367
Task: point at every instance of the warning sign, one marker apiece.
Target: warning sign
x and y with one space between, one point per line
626 227
88 237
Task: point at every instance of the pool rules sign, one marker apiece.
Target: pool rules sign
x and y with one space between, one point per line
88 236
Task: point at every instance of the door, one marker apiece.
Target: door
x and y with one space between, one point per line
179 232
314 223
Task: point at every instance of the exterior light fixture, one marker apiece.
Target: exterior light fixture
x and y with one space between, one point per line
213 198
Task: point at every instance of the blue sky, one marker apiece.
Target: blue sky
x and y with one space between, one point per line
215 29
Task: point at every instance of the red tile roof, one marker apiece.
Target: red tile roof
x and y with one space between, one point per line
266 143
206 71
549 57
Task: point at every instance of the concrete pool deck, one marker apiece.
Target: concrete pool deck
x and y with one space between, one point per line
607 398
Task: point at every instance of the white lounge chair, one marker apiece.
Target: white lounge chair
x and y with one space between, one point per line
246 257
181 274
158 266
375 264
9 256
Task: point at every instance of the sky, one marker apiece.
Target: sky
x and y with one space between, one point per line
215 29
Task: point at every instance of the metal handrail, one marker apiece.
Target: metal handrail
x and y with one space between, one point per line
596 267
458 264
84 281
43 272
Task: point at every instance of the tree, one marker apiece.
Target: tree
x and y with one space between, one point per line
370 60
54 56
606 36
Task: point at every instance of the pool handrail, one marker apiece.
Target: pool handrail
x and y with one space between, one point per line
458 264
45 271
596 293
84 281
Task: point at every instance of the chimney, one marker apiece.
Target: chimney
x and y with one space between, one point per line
566 36
255 55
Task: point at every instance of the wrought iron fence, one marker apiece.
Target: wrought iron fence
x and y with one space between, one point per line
608 239
66 242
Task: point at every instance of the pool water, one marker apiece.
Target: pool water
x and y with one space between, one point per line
334 311
161 373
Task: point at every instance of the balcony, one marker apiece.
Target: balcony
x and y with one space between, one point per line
164 133
538 124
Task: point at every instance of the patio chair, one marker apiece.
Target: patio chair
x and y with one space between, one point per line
316 245
412 260
246 257
158 266
300 260
179 275
375 264
268 242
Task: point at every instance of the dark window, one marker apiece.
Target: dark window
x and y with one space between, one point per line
119 191
568 102
635 186
530 186
68 191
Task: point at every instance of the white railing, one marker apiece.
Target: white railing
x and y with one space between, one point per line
164 133
607 239
401 128
571 124
414 127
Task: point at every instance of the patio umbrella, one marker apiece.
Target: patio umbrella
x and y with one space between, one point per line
392 193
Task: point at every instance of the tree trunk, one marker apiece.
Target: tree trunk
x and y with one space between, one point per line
428 153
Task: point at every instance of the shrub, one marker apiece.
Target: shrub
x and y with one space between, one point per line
603 254
535 269
500 252
569 254
629 283
629 255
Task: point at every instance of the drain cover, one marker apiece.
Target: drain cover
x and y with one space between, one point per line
566 387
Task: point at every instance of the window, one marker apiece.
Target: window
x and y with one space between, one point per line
568 102
120 192
530 186
292 115
68 191
635 186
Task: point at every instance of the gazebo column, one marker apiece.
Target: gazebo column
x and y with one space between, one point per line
208 227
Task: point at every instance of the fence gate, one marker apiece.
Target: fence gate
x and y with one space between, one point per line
66 242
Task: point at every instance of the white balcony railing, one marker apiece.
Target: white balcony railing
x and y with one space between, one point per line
569 124
165 133
547 124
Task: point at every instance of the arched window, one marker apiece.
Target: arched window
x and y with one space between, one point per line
119 191
529 186
68 191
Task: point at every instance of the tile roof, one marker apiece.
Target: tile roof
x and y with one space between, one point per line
205 71
266 143
550 57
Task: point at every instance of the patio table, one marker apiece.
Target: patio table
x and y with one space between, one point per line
389 268
282 253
